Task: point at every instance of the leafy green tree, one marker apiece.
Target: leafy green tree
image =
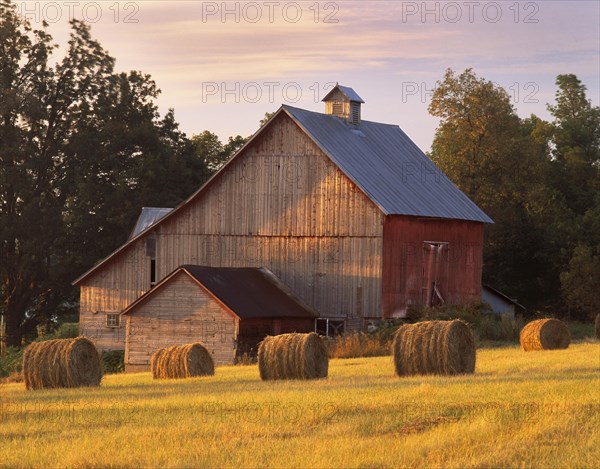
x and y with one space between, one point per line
581 281
39 105
212 152
233 145
576 175
81 150
266 118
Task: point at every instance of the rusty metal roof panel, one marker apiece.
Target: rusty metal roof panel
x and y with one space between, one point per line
251 292
149 216
388 167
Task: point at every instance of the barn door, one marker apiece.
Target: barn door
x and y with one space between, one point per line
435 272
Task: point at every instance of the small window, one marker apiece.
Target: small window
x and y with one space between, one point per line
330 327
152 272
113 320
151 253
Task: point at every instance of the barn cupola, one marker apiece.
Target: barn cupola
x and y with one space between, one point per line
343 102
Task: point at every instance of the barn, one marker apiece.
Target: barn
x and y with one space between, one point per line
229 310
349 214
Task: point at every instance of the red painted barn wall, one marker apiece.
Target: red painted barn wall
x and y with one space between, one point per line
403 261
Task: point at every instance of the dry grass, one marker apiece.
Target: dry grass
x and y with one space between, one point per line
434 347
61 363
545 334
358 344
517 410
293 356
182 361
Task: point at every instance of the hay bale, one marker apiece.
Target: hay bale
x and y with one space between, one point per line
182 361
293 356
545 334
434 347
597 324
61 363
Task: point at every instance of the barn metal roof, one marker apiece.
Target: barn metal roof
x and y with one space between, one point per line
148 216
389 167
348 92
247 291
379 158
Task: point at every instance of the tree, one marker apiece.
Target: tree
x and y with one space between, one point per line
37 112
576 142
212 152
576 175
581 281
81 150
266 118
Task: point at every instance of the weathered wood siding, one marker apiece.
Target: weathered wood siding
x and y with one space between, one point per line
110 290
284 205
180 312
403 260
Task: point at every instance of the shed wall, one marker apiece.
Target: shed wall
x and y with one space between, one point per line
180 312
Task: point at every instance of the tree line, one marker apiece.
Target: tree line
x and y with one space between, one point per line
83 148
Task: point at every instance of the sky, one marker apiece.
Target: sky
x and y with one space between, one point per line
222 65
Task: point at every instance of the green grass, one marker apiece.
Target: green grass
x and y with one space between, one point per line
537 409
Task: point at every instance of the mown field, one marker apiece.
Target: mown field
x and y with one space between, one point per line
536 409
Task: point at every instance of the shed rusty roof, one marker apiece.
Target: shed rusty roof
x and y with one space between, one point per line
389 167
248 292
251 292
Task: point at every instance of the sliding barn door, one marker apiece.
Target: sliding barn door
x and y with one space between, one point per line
435 272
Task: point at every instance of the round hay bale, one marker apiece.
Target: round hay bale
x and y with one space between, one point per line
545 334
182 361
61 363
199 362
597 324
293 356
154 368
434 347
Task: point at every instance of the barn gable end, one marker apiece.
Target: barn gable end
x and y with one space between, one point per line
284 205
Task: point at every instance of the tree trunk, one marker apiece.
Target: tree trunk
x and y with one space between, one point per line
14 335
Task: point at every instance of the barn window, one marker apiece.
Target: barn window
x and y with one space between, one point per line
113 320
152 272
330 327
151 253
435 272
